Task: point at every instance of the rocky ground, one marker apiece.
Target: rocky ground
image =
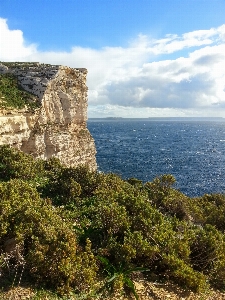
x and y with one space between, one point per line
145 290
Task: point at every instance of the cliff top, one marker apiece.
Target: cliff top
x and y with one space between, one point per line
28 65
14 96
22 84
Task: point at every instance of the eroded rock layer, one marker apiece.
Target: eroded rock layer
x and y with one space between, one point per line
58 128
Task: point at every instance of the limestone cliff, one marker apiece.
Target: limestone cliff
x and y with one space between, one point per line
58 127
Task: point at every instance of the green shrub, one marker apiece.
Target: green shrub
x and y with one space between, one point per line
66 217
51 251
17 164
66 184
208 254
132 230
13 95
213 210
168 200
184 274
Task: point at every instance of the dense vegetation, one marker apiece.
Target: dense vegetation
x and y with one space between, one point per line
74 227
13 95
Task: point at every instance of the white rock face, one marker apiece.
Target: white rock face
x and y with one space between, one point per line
58 128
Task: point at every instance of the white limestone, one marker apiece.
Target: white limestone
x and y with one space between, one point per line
58 127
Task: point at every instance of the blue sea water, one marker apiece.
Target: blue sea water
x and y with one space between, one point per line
191 150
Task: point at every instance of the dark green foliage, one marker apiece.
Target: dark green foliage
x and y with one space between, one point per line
119 277
210 209
168 200
13 95
66 184
50 247
67 217
16 164
208 254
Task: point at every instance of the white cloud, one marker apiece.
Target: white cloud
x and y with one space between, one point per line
194 82
133 81
12 44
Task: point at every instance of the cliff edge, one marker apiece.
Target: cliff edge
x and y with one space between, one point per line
52 121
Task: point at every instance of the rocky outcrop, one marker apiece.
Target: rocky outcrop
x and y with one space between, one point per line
58 127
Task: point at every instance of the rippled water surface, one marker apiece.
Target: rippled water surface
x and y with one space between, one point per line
192 151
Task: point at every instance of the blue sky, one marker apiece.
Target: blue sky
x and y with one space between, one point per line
144 57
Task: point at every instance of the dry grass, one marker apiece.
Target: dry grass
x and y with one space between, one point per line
145 290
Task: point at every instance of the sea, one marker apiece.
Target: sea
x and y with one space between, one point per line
191 149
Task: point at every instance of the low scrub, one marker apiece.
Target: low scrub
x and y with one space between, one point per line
12 95
76 227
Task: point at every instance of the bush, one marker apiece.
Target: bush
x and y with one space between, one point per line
168 200
184 274
51 251
213 210
13 95
16 164
64 185
63 218
208 254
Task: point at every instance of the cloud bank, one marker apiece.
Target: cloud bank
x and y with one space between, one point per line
173 76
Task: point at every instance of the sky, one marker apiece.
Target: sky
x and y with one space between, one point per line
145 58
